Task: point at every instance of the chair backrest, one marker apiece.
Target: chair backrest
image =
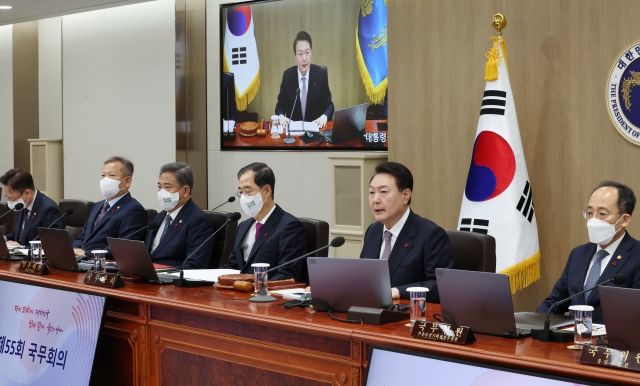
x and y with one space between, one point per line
6 223
317 237
151 215
473 251
76 220
225 238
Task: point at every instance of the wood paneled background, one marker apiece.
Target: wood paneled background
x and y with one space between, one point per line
560 54
332 26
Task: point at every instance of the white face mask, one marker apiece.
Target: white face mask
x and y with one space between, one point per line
12 204
601 232
109 187
252 205
168 200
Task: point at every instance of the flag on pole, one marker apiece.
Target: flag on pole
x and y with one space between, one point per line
241 54
498 198
371 48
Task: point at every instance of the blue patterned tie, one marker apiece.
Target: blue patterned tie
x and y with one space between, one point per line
594 272
167 224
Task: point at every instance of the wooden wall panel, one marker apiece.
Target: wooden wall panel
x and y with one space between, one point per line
332 26
560 54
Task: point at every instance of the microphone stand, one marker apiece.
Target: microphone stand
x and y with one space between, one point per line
546 335
290 140
262 296
181 281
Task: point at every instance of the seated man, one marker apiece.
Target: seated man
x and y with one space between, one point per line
272 235
314 102
414 246
182 226
118 216
39 210
611 251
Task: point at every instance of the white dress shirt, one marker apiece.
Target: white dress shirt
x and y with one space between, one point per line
250 237
395 231
156 240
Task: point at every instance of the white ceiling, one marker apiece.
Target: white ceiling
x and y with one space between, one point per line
28 10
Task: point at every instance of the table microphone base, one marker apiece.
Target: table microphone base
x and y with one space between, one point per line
262 296
289 141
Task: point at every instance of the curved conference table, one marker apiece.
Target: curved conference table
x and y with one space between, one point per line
166 335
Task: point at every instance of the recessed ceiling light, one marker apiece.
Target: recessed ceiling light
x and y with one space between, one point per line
5 7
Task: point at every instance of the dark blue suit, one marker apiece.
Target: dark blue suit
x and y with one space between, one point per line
282 238
126 217
43 212
575 273
318 95
186 233
421 247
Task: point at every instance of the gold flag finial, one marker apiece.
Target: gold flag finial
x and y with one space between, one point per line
499 22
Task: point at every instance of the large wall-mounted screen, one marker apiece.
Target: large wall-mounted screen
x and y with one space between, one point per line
300 74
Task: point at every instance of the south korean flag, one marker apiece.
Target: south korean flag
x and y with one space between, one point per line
498 198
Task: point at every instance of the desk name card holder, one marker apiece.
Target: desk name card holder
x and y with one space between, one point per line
610 357
33 268
443 332
108 280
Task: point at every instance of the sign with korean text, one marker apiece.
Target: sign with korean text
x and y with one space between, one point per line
609 357
443 332
47 336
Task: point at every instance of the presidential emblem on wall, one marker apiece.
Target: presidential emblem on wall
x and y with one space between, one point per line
623 93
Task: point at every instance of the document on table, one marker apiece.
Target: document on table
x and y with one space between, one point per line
297 128
204 274
292 293
596 329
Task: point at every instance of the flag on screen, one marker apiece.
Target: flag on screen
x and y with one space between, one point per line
498 198
241 54
371 48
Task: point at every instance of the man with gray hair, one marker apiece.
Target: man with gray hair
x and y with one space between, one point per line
118 215
182 226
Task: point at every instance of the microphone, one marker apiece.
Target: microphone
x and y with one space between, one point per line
19 206
181 281
290 140
67 211
262 295
546 335
230 199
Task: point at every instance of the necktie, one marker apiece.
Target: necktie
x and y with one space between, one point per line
594 272
25 218
258 227
167 224
105 207
303 97
387 245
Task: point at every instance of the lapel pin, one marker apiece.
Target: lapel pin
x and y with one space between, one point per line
619 257
266 234
113 211
180 221
614 263
118 207
176 225
406 245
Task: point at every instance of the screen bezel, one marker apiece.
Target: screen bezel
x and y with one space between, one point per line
476 364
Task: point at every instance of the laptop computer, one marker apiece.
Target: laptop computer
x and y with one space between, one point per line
482 301
348 124
343 283
133 259
5 254
59 251
621 311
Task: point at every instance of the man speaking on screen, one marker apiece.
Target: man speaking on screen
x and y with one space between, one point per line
314 101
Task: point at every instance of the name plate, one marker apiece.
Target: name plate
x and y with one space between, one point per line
33 268
443 332
610 357
109 280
